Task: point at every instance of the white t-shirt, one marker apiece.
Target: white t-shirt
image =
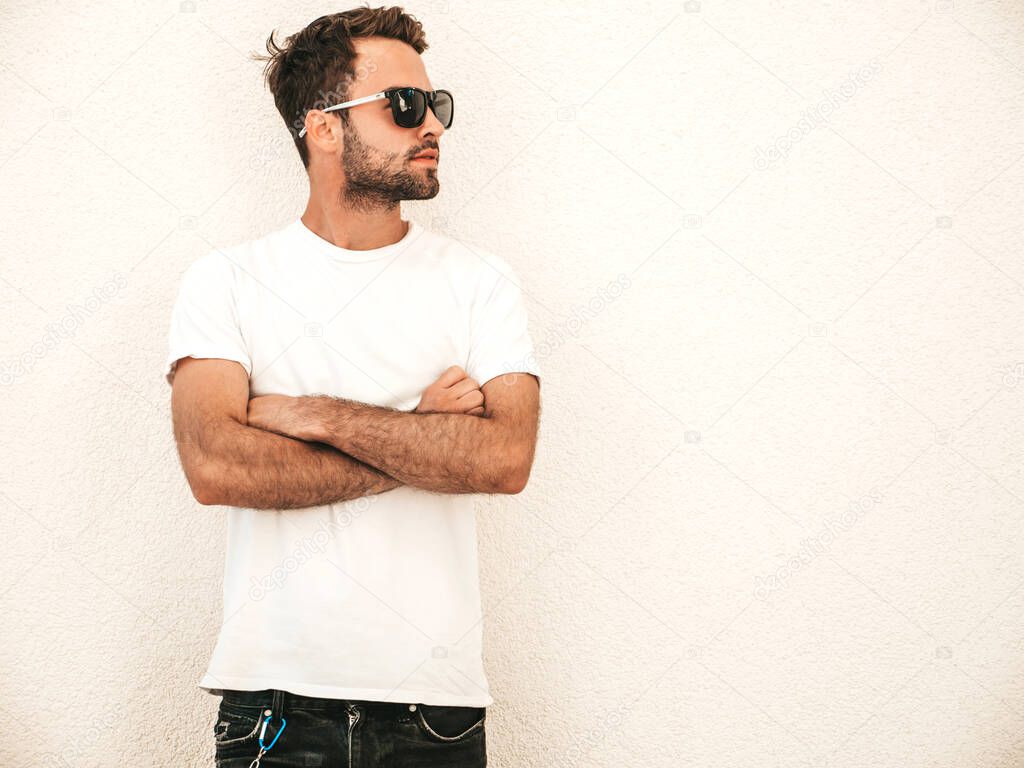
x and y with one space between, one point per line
374 598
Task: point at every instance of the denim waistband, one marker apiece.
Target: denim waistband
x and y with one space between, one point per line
278 699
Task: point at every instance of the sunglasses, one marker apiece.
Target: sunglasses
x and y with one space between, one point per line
408 106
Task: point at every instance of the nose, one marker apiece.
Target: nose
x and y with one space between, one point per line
431 125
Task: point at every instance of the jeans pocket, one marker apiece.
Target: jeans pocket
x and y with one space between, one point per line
449 723
237 724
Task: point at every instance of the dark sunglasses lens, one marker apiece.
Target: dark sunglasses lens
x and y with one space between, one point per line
443 107
410 107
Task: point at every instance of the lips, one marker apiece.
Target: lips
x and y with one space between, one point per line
429 154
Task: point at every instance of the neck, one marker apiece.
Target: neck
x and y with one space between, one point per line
351 228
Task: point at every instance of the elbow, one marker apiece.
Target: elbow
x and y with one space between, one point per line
513 484
515 477
205 495
205 488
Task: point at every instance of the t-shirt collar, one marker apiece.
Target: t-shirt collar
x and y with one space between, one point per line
311 239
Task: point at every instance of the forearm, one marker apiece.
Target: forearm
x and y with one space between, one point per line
441 452
247 467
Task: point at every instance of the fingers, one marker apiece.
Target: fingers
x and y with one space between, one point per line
463 387
471 399
454 392
451 375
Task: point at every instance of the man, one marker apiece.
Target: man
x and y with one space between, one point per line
345 384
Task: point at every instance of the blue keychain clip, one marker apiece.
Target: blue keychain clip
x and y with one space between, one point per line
263 731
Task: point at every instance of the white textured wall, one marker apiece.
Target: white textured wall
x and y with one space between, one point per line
806 366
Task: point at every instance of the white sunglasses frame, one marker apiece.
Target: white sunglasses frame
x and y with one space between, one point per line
345 105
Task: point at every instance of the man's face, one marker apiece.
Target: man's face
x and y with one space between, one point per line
376 156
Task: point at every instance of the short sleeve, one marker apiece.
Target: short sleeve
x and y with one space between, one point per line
204 320
499 336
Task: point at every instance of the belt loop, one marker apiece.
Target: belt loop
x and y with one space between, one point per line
278 705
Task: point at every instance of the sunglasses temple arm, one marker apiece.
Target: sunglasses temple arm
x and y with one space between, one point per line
345 105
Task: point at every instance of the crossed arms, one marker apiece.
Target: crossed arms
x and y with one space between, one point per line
280 452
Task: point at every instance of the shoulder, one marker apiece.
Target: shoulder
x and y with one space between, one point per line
229 263
213 271
477 264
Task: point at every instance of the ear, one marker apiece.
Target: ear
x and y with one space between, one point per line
323 130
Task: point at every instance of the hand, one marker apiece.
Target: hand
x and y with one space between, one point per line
285 415
453 392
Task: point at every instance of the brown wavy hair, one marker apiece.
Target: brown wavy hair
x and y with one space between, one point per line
315 67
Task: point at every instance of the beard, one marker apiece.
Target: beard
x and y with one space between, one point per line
376 179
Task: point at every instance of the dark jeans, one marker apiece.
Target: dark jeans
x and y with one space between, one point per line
346 733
